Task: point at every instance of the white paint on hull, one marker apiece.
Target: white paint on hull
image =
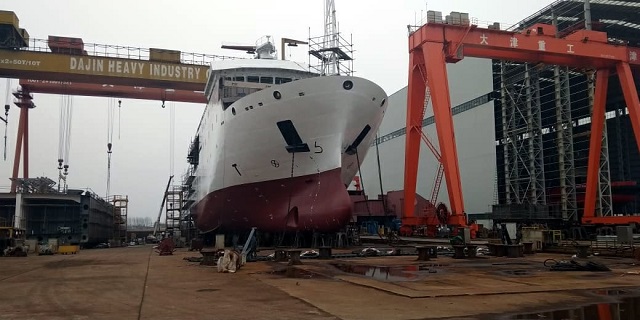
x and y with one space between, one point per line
248 147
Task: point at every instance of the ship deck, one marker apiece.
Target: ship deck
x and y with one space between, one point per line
137 283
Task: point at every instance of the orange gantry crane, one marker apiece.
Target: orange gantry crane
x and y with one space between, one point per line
433 45
63 65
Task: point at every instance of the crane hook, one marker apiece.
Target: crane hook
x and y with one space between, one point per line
163 103
109 147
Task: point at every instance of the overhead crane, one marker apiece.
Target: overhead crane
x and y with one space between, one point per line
434 44
63 65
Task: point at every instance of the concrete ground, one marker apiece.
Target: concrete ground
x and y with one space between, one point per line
136 283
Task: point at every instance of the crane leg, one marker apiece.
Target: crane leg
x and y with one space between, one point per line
25 141
415 106
16 157
437 77
630 97
595 144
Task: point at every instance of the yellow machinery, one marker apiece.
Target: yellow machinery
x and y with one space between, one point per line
68 249
10 32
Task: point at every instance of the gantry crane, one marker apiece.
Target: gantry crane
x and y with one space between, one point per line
434 44
63 65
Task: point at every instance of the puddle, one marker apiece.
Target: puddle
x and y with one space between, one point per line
632 292
67 263
511 264
292 272
516 272
593 275
391 273
624 304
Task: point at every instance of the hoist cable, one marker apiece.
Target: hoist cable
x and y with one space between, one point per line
7 95
110 122
119 117
6 125
172 129
6 116
61 130
68 123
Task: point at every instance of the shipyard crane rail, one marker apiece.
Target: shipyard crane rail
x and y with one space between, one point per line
434 44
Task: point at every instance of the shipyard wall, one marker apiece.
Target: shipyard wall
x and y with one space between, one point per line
470 83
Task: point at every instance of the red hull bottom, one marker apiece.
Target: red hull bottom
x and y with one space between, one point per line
318 202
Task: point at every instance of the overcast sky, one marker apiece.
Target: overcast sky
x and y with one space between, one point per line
141 157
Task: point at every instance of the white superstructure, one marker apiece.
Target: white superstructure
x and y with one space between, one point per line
273 120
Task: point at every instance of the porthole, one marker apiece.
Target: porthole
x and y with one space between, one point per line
233 111
383 101
277 95
347 85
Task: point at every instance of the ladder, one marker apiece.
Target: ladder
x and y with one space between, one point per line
437 182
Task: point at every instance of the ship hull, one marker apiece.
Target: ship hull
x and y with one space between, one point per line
316 202
251 176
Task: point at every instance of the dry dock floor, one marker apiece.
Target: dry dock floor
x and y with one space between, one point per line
136 283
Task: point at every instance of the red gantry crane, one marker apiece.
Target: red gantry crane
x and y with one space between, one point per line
433 45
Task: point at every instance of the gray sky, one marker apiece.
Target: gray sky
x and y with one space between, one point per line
140 160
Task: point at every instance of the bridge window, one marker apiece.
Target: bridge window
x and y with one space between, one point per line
282 80
266 80
238 78
255 79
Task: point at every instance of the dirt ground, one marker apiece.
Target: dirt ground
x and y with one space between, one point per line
136 283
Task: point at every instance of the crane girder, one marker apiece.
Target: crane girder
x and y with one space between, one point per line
115 91
538 44
49 66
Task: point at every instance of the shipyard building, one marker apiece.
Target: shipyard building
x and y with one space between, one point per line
522 131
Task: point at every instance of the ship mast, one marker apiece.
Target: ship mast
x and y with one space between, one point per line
330 64
333 53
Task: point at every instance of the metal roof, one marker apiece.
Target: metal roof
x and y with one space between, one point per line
620 19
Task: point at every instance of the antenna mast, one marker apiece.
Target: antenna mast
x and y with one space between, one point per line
334 54
330 64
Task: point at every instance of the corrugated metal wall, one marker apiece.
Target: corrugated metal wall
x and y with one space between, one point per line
475 139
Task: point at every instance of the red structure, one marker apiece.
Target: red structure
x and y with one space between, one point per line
434 44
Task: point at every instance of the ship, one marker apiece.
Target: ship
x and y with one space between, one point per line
279 142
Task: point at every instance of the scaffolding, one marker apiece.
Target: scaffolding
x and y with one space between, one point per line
324 53
120 205
564 133
333 53
522 129
603 198
173 209
567 98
